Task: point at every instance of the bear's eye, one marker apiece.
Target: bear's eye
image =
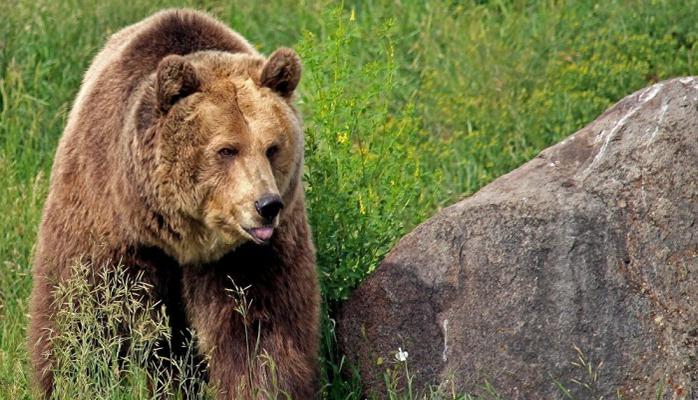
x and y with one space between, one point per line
228 152
272 151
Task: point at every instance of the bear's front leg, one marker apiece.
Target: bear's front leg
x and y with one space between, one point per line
39 335
260 340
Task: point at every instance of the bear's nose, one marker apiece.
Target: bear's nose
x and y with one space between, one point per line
268 206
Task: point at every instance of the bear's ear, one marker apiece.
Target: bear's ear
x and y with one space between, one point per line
282 72
176 79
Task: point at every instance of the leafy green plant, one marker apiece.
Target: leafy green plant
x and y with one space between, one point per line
364 175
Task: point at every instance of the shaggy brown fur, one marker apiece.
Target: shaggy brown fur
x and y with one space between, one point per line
179 129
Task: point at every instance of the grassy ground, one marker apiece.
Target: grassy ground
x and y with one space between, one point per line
409 106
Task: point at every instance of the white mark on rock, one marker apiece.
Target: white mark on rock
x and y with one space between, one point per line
686 80
645 96
643 194
444 355
649 93
660 120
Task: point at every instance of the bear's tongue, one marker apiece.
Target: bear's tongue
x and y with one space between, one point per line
263 233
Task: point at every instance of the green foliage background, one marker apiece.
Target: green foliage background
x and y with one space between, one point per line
408 105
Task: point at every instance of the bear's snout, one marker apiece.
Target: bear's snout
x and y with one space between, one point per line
268 206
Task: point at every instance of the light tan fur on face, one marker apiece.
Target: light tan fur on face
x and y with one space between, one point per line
230 111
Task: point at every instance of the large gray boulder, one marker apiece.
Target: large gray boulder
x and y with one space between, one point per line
577 270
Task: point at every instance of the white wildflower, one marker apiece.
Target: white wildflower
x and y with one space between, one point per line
401 355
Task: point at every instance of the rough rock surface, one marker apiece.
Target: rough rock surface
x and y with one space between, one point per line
585 255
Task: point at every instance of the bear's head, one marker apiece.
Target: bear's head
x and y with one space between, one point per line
229 149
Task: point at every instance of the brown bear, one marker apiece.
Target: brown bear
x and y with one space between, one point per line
182 159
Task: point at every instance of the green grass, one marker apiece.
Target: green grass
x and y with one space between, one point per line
408 106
